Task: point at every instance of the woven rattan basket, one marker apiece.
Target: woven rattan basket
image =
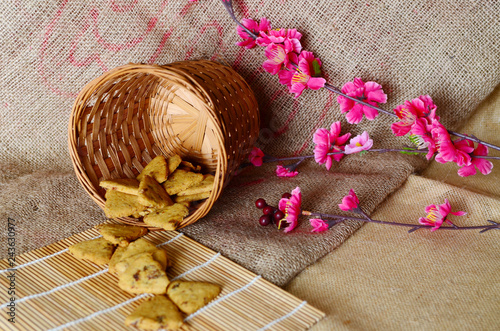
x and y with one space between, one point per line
201 110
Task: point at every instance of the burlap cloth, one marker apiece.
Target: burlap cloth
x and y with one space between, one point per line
385 279
51 49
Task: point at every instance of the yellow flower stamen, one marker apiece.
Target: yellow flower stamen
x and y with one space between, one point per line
299 77
288 204
407 117
434 216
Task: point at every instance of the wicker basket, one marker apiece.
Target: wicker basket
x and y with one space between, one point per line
201 110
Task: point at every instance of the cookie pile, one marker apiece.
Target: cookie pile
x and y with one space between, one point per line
161 194
141 268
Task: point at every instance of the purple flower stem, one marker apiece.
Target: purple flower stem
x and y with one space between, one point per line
414 227
475 139
228 4
268 159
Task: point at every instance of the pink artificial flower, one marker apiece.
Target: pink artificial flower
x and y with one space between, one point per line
271 37
249 42
305 76
329 142
369 92
425 141
290 38
318 225
411 111
443 143
483 165
359 143
293 37
437 215
350 201
463 149
278 55
285 172
291 208
256 156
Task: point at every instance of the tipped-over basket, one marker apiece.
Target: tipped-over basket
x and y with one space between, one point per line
201 110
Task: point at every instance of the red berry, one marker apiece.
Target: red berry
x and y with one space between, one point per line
265 220
286 195
260 203
268 210
278 215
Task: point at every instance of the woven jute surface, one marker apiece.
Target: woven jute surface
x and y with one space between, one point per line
51 49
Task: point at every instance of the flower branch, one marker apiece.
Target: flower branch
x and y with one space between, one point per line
340 218
300 70
331 146
290 208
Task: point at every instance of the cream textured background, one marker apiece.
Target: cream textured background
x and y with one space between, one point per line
50 49
383 278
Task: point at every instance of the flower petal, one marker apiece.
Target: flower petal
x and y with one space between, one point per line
484 166
318 225
271 67
297 89
282 204
374 92
329 162
459 213
315 83
285 77
355 115
467 171
342 139
335 128
400 129
370 113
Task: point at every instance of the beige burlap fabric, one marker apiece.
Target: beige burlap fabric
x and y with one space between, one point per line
50 50
420 281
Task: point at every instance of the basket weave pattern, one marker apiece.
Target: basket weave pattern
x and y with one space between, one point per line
201 110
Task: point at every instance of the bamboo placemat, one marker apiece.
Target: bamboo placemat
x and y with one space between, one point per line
55 291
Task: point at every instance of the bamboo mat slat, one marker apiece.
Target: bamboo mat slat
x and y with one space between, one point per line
55 291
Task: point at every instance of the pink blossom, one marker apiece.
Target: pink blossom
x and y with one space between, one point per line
278 55
463 149
411 111
318 225
291 208
285 172
437 215
435 138
425 141
359 143
256 156
329 142
271 37
248 41
293 37
290 37
305 76
484 166
350 201
369 92
444 145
